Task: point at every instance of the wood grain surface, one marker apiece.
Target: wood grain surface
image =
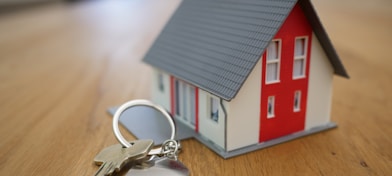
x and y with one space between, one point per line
63 64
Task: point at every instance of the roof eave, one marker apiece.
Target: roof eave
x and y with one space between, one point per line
321 34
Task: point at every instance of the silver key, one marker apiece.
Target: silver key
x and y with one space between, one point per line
113 158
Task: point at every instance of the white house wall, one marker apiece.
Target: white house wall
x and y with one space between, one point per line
161 97
214 131
243 121
320 87
208 128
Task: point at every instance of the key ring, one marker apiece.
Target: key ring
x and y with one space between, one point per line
147 103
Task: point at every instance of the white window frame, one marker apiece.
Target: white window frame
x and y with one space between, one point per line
271 99
275 61
297 107
302 57
210 108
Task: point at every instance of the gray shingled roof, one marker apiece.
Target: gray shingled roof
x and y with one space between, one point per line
214 44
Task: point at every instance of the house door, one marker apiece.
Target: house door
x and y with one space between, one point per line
184 102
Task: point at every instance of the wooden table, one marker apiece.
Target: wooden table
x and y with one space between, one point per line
62 65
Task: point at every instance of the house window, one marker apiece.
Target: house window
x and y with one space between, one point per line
271 107
160 82
297 101
214 109
273 62
185 102
182 101
299 57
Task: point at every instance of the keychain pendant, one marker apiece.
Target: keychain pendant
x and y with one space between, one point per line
163 166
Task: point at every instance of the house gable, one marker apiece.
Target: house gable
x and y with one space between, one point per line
323 38
214 45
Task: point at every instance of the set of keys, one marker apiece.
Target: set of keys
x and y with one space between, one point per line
139 155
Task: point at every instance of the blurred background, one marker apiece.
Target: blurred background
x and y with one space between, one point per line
21 2
7 5
63 63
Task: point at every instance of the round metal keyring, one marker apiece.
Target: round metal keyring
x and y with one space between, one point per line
133 103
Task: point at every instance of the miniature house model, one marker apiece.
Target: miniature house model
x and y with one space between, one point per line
245 74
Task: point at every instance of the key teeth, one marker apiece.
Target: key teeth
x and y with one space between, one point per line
110 166
98 163
102 169
99 170
106 169
147 144
110 169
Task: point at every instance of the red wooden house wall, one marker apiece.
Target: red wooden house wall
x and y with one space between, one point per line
286 121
